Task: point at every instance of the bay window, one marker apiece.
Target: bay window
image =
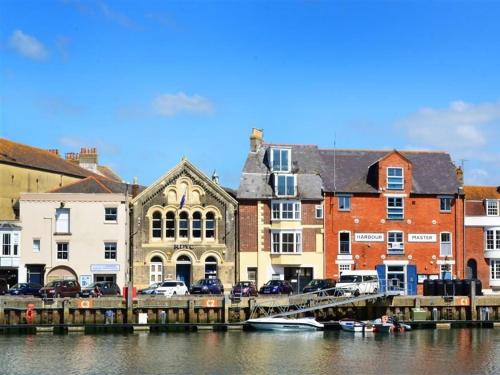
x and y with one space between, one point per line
285 210
286 242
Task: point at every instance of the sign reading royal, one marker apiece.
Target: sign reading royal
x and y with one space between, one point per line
369 237
422 237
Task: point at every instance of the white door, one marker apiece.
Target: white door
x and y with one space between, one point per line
155 272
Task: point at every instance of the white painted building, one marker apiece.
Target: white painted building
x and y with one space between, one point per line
77 232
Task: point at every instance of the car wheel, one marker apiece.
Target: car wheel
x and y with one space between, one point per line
357 293
175 293
375 291
58 295
77 295
187 293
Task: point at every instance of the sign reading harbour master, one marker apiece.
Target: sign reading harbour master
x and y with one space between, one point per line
369 237
421 237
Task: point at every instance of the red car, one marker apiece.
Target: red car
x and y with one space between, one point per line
244 289
61 288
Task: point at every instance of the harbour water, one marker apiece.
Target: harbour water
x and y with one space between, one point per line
457 351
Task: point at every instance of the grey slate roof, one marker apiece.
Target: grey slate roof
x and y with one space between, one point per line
355 172
433 172
96 185
255 181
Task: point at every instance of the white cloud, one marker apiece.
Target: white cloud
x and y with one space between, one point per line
55 106
461 125
172 104
28 46
115 16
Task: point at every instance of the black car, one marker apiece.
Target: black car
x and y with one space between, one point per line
207 286
100 289
25 289
276 287
316 285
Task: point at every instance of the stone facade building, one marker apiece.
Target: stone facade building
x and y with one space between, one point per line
183 227
482 235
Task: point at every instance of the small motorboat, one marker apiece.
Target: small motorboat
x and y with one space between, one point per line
387 324
285 324
356 326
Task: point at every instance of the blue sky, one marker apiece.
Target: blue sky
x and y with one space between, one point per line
147 82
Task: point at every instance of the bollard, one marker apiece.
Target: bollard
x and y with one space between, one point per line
435 314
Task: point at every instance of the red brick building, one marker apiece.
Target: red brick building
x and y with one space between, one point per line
482 235
280 214
398 212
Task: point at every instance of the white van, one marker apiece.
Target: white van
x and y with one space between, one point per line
358 282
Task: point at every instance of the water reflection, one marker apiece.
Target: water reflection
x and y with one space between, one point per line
465 351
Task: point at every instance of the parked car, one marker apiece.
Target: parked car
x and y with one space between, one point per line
25 289
276 287
244 289
207 286
61 288
316 285
171 288
358 282
101 289
149 290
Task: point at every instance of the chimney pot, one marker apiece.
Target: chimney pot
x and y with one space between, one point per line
54 151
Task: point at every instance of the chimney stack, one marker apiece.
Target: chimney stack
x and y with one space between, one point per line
460 175
88 158
54 151
135 188
256 139
72 157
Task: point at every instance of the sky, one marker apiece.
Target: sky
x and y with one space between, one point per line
148 82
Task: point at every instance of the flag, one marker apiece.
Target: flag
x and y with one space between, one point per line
183 200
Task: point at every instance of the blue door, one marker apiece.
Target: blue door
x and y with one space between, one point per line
381 277
411 276
35 274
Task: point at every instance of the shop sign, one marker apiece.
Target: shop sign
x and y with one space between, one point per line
182 246
104 267
369 237
421 237
85 280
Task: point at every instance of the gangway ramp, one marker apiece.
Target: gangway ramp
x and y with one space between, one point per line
307 302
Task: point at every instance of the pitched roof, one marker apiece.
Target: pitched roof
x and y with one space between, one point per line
108 172
37 158
255 181
95 185
433 172
482 192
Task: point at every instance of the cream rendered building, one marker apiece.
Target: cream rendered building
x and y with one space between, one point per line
79 231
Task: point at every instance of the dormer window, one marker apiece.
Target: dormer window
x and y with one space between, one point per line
395 180
492 208
284 185
281 159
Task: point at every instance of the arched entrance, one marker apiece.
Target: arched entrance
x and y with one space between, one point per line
471 271
210 268
183 269
61 273
155 270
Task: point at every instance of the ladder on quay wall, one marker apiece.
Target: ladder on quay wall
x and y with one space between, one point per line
307 302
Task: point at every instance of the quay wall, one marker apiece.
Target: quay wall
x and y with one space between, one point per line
213 310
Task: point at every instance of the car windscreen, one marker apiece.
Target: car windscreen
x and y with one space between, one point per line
201 282
169 284
350 279
19 286
273 283
243 285
315 283
54 284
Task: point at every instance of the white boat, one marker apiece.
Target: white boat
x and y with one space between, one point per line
285 324
355 326
387 324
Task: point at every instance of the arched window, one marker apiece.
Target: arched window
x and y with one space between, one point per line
170 225
156 270
210 225
210 268
157 224
183 225
197 225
